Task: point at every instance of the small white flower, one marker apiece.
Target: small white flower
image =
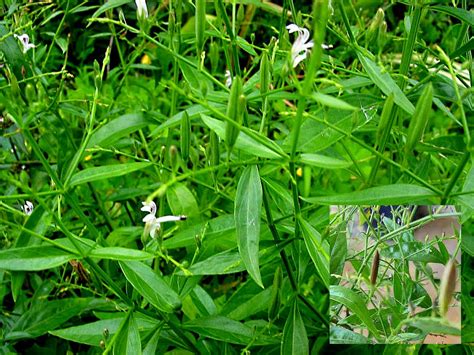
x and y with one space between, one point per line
25 41
152 223
142 11
228 78
301 45
27 208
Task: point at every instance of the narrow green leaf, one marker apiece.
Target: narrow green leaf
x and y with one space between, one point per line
34 258
318 250
467 47
316 136
355 303
44 316
338 244
110 4
460 14
117 128
230 261
323 161
380 195
182 201
227 330
118 253
295 339
340 335
244 142
128 339
435 325
384 82
420 119
248 205
331 101
105 172
13 55
152 287
92 333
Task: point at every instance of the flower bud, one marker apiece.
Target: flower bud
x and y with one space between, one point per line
446 288
375 268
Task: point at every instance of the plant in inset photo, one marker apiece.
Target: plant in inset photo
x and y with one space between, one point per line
395 275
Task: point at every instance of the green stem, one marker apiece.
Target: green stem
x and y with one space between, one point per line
455 177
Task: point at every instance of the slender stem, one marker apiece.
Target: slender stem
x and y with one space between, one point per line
455 177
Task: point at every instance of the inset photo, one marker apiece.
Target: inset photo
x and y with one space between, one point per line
395 275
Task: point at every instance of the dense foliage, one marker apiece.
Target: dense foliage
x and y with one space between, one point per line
242 131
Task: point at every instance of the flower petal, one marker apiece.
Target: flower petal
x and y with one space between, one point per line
293 28
149 218
170 219
154 228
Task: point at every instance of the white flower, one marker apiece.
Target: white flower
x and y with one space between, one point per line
25 41
228 78
301 46
152 223
142 11
27 208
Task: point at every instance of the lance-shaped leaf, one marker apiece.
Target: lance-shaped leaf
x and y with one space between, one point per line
151 286
248 205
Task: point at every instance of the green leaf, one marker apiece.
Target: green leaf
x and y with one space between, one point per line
128 338
338 243
110 4
244 142
322 161
380 195
434 325
248 206
230 261
340 335
316 136
467 47
152 287
318 250
92 333
331 101
460 14
14 56
246 46
414 251
355 303
182 201
196 80
385 83
44 316
227 330
105 172
117 128
118 253
34 258
295 339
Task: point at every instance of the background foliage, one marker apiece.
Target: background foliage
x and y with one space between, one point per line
109 110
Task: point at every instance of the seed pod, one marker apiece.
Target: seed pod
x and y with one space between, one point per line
375 268
214 56
200 25
374 26
275 302
185 136
173 158
384 118
446 288
420 118
215 154
265 75
234 112
30 93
